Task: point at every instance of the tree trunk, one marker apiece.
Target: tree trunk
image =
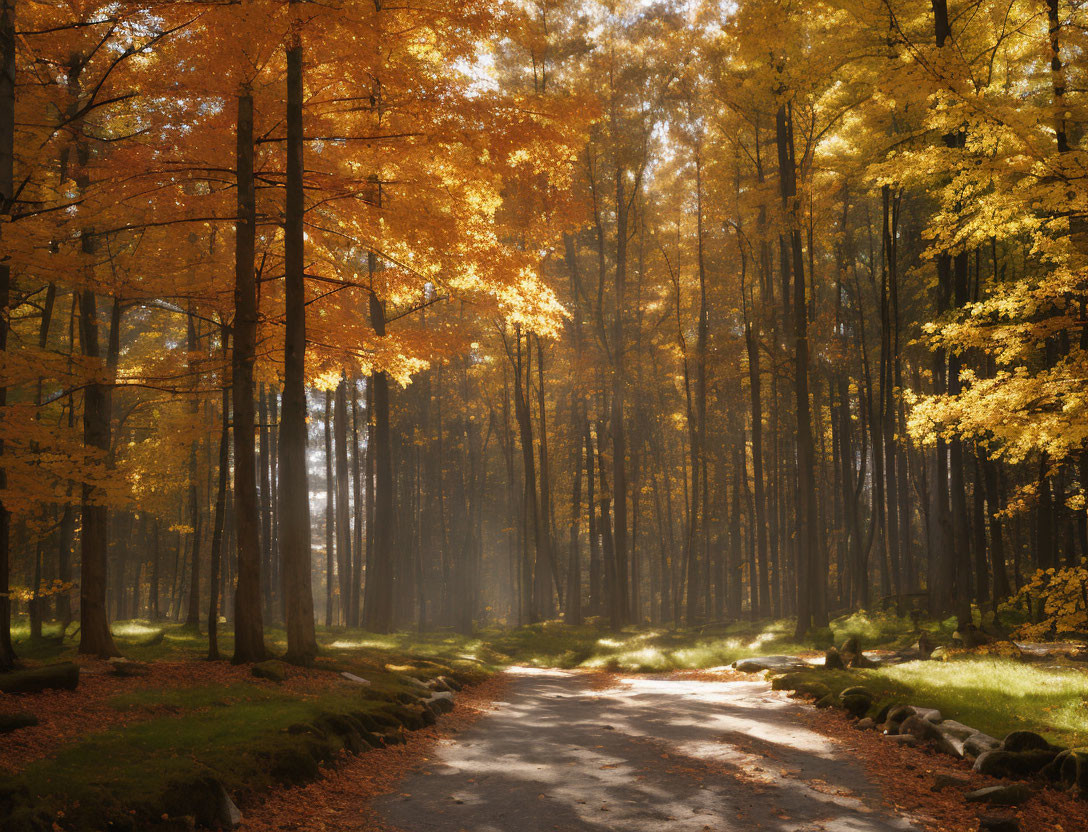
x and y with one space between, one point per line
547 575
220 520
378 607
343 506
941 539
357 495
192 615
7 194
330 512
295 497
761 588
248 618
810 586
573 612
594 531
94 627
618 592
265 499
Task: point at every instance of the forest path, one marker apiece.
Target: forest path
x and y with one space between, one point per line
651 754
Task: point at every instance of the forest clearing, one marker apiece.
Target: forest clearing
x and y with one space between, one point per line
537 414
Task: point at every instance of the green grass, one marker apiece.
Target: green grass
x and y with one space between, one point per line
992 694
998 695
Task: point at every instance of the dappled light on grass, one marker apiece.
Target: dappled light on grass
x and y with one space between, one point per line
356 644
593 645
993 693
134 629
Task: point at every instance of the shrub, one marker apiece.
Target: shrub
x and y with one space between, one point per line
1056 601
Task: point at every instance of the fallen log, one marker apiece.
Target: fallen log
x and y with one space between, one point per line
61 676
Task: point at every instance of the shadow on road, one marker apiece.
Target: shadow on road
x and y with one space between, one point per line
650 755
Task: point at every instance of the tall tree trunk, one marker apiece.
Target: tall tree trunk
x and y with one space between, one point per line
888 409
95 637
7 196
1002 588
760 586
608 545
978 530
248 618
573 612
378 607
264 460
541 573
154 612
700 514
343 506
618 592
295 498
219 520
957 480
546 571
941 539
357 496
330 512
594 527
192 615
810 586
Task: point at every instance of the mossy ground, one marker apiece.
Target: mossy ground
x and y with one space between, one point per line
235 731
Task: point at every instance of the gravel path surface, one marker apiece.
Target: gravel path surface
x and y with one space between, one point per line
647 755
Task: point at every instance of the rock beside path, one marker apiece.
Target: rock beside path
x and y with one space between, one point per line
1001 762
992 823
440 703
779 664
1011 795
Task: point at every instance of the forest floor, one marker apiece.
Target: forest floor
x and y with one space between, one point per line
117 742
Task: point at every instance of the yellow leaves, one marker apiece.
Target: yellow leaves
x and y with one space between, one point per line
1021 411
1063 593
44 590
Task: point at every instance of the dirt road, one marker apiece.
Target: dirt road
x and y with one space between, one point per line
647 755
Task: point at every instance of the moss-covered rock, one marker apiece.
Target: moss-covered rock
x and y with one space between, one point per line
1010 764
368 721
294 765
856 705
1074 770
1027 741
273 670
883 715
790 681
